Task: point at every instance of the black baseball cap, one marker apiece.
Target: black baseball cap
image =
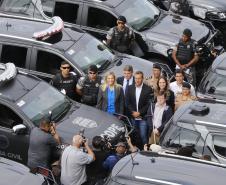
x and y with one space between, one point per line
186 85
187 32
122 18
93 68
157 66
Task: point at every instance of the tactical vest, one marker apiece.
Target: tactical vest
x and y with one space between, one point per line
185 51
120 40
90 91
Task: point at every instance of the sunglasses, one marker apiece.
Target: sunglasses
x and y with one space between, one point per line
92 73
121 22
66 67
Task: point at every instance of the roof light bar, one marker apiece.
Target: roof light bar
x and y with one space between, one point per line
57 26
9 73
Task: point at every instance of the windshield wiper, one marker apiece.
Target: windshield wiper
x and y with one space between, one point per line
150 23
104 65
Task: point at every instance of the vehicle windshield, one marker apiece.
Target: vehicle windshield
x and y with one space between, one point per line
177 137
140 14
88 51
43 98
215 84
28 8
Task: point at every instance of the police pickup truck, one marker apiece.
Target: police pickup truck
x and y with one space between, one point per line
25 100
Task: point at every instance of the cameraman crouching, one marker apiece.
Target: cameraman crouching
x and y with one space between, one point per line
95 170
42 145
74 161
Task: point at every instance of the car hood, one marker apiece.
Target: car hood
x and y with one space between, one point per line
94 121
169 28
137 63
210 4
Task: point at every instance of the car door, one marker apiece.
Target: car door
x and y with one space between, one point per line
17 53
45 63
69 11
13 146
97 20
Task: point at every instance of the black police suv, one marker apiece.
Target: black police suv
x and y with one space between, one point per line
26 99
39 48
213 84
156 30
149 168
16 173
213 11
199 125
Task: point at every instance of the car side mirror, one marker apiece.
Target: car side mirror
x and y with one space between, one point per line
19 129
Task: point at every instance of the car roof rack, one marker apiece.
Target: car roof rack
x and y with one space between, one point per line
55 28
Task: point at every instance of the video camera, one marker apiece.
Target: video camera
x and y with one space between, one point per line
81 133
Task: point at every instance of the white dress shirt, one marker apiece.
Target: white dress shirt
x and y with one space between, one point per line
125 83
157 118
138 92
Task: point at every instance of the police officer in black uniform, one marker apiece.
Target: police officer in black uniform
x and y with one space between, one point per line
65 81
88 86
184 54
120 37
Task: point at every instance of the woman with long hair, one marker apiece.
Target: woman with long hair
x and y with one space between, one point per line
110 96
163 86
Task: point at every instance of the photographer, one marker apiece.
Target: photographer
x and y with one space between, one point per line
95 170
42 145
74 161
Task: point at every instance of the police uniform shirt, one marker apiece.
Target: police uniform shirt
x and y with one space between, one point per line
110 33
151 82
65 85
81 83
180 100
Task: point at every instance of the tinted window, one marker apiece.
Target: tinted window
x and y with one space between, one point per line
47 7
100 19
89 51
67 11
220 144
48 62
14 54
23 7
140 14
42 99
216 83
8 118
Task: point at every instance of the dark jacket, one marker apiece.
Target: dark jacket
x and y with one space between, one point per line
102 100
145 97
120 80
167 114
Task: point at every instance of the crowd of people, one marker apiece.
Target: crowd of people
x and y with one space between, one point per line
149 102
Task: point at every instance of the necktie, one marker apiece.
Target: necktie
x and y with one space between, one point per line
127 86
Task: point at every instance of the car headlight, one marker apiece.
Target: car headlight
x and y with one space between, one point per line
199 12
216 16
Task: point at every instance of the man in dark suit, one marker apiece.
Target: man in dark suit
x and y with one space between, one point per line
138 97
127 79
